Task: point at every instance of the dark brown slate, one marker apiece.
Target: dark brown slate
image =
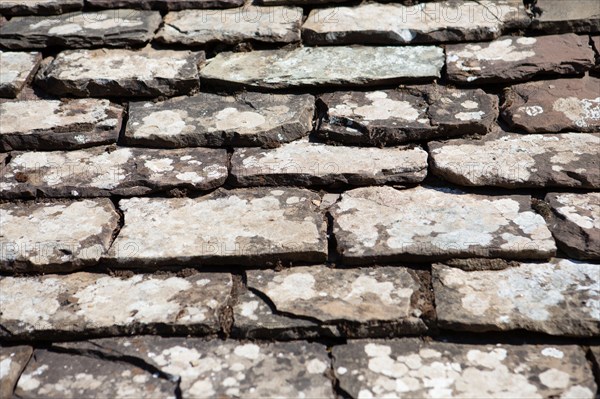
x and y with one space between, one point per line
559 16
167 5
39 7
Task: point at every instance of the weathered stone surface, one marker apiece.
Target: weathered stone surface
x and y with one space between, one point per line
576 223
561 297
54 125
248 119
432 22
574 16
244 226
511 58
110 28
170 5
249 23
13 360
595 350
391 117
103 171
55 236
596 46
302 163
412 368
84 304
384 224
16 70
325 66
116 72
41 7
554 106
295 2
517 160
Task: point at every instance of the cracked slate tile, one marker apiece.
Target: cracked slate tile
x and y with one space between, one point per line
39 7
85 304
248 119
512 59
104 171
248 23
561 297
517 160
55 236
242 227
324 66
374 23
302 163
379 224
13 360
120 72
58 125
412 368
580 16
553 106
166 5
16 70
575 223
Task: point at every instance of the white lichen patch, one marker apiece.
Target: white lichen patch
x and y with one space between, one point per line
581 111
15 68
380 107
473 57
581 209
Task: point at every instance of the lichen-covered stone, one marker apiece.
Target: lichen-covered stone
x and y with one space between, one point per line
58 125
415 369
103 171
13 360
55 236
575 223
385 224
248 119
324 66
16 70
296 2
40 7
561 297
302 163
517 160
167 5
511 58
86 304
574 16
249 23
554 106
244 226
117 72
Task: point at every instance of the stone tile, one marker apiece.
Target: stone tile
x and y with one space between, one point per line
41 7
168 5
248 119
379 224
16 70
513 59
391 117
295 2
561 297
13 360
554 106
517 160
302 163
324 66
423 23
104 171
55 236
245 226
110 28
576 223
249 23
58 125
574 16
413 368
117 72
86 304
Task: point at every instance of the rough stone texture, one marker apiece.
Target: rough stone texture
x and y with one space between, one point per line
110 28
561 297
302 163
517 160
103 171
54 125
248 119
423 23
55 236
295 2
384 224
554 106
245 226
169 5
575 223
116 72
249 23
13 360
595 351
16 70
596 46
510 59
325 66
84 304
573 16
391 117
413 368
41 7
